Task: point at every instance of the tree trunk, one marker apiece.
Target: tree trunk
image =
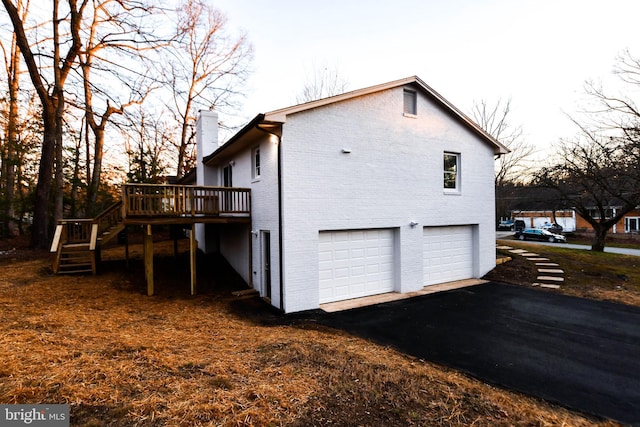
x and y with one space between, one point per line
92 190
12 136
58 205
597 245
75 179
40 228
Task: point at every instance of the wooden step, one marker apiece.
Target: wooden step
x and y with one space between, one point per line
69 247
75 258
85 270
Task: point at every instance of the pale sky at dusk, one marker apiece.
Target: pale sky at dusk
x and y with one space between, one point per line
538 53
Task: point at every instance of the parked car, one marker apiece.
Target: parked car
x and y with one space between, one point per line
540 234
506 225
553 228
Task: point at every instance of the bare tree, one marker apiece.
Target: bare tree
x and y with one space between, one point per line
323 82
599 177
599 173
112 32
494 119
509 168
207 70
148 147
50 93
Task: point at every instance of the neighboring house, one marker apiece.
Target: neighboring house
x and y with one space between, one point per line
537 218
384 189
572 221
629 223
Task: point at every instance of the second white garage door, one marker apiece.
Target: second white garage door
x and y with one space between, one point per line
355 263
448 253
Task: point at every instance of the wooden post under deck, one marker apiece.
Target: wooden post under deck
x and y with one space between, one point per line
148 258
193 249
126 249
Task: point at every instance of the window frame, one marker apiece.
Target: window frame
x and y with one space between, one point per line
412 111
627 223
256 163
226 176
456 173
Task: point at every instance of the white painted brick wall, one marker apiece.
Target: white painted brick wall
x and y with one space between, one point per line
234 241
392 176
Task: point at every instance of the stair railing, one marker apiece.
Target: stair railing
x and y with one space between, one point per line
108 219
72 231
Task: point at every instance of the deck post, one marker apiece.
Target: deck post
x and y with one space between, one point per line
148 258
193 249
126 249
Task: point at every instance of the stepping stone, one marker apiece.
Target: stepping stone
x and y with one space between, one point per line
548 286
550 270
504 248
529 254
550 279
547 264
538 259
518 251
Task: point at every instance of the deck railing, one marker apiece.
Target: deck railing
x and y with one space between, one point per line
152 200
75 230
109 218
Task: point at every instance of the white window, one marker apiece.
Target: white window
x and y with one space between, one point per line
631 224
255 163
452 172
595 213
410 102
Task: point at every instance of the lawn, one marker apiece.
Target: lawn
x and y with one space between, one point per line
595 275
120 358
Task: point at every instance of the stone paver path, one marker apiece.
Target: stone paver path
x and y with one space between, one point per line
550 275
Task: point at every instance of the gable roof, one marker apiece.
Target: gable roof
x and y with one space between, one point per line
280 116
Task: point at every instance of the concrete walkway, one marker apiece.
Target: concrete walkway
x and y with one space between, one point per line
621 251
332 307
507 235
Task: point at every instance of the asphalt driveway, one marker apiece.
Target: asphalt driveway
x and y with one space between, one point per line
579 353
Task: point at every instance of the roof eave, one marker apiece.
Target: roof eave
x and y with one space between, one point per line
249 126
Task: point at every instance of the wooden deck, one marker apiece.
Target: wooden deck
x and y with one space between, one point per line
153 204
185 204
76 240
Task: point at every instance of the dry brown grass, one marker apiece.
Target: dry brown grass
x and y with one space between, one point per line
120 358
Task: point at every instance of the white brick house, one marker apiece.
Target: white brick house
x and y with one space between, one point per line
384 189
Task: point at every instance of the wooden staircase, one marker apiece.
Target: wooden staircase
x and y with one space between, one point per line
76 243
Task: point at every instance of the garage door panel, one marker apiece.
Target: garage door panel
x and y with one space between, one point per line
355 263
448 253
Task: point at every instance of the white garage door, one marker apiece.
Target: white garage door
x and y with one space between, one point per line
355 263
448 254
